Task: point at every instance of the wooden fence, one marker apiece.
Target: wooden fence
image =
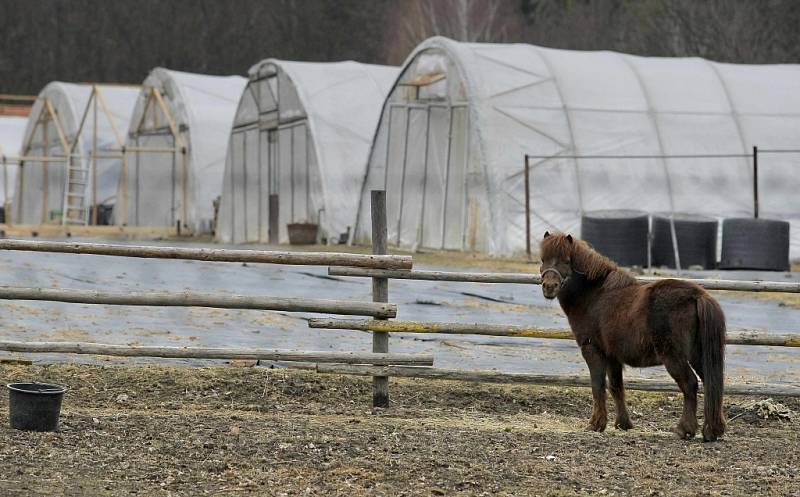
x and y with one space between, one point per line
383 327
377 310
380 267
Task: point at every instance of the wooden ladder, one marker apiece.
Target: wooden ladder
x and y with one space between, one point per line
76 210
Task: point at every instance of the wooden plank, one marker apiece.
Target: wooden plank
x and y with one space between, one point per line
205 254
37 158
191 299
535 279
62 137
502 330
109 116
380 292
758 389
21 98
400 326
173 126
217 353
166 150
734 285
424 80
58 230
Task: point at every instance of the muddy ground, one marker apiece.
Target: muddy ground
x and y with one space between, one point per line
169 431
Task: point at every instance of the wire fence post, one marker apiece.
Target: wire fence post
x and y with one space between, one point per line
527 208
274 220
755 182
380 293
6 214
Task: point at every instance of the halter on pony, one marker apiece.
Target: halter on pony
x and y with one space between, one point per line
562 279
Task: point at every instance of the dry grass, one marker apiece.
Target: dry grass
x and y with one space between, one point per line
162 431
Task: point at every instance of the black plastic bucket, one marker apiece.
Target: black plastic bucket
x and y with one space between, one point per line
34 406
620 235
759 244
697 241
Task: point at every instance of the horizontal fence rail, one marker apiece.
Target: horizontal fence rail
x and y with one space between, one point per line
759 389
501 330
190 299
535 279
218 353
215 255
523 278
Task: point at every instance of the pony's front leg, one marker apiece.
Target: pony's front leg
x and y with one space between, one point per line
597 363
617 388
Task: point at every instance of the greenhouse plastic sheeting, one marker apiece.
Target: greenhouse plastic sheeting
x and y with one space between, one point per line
302 131
522 99
12 130
202 108
70 101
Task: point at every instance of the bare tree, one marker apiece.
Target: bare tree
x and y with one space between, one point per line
463 20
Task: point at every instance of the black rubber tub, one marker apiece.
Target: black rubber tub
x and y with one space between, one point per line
34 406
302 233
760 244
697 241
620 235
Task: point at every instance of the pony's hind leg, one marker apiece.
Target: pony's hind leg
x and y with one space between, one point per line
684 376
617 388
597 363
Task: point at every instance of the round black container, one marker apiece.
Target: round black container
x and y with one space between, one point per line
104 215
761 244
697 241
34 406
620 235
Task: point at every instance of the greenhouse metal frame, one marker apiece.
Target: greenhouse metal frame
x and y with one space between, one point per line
77 159
176 150
298 149
696 122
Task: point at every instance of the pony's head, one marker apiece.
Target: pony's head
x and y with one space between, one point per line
556 252
563 257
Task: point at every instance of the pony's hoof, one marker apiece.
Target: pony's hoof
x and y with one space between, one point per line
684 431
710 434
598 424
623 424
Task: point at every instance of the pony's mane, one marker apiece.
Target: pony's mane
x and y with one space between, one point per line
585 260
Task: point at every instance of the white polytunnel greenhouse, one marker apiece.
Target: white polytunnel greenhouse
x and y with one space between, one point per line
301 136
12 130
605 131
71 153
176 145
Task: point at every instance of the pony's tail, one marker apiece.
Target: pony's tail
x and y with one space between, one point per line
711 327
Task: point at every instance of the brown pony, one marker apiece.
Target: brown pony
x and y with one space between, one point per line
617 321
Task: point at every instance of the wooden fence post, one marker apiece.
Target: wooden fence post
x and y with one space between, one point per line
380 293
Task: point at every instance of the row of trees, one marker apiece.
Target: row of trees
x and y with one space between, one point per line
121 40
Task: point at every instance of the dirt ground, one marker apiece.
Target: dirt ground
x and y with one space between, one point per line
169 431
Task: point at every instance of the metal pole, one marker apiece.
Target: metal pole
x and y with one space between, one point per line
527 209
94 158
6 214
46 172
122 216
274 219
380 293
755 182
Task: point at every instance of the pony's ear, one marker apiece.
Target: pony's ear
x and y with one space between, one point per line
546 234
569 238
